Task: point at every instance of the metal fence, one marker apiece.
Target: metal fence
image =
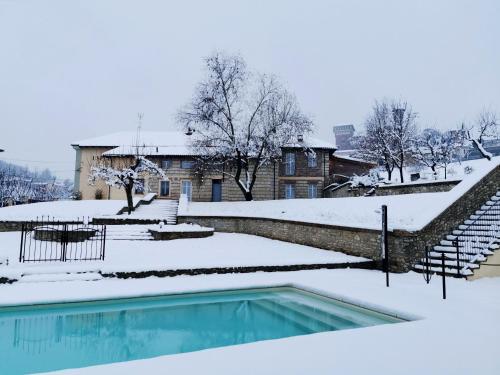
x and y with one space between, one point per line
52 240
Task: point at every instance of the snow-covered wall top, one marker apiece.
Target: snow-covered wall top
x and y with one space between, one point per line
410 212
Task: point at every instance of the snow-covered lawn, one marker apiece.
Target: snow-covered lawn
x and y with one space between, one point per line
69 210
219 250
408 212
455 171
456 336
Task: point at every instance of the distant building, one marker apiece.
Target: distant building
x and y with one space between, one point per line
343 136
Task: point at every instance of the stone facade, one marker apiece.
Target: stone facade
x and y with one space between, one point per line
270 183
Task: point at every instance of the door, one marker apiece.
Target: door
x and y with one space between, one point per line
216 190
187 189
164 188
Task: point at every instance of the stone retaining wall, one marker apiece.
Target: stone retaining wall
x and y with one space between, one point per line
405 247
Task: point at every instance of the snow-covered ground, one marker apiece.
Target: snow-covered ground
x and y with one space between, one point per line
219 250
69 210
455 171
409 212
456 336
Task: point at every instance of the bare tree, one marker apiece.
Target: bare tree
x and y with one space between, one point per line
486 126
124 174
239 121
375 144
403 130
435 149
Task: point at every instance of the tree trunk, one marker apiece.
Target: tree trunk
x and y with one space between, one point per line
401 174
479 146
388 169
248 196
130 201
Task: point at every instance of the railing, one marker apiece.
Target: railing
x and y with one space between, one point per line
52 240
483 231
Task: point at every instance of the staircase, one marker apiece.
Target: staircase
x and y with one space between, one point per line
161 209
468 245
128 232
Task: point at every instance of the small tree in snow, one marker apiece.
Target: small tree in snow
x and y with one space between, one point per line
239 121
486 126
124 175
435 149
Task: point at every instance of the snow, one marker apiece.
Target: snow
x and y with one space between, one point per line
219 250
455 171
69 210
447 337
180 228
129 138
409 212
312 142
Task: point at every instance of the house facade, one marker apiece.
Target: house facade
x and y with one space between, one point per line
302 172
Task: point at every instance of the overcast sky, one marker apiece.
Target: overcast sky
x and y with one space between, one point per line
72 69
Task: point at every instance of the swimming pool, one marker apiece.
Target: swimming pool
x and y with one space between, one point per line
58 336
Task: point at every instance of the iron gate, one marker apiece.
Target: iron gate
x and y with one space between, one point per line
57 241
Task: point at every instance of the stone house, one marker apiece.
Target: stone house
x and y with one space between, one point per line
302 172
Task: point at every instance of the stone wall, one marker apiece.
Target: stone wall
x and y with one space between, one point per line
405 247
413 188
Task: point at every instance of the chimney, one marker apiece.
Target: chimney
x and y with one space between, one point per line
300 138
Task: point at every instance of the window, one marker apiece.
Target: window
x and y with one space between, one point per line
187 164
187 188
165 164
312 162
289 191
139 186
164 188
312 191
290 163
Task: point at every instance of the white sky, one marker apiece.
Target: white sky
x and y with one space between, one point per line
76 69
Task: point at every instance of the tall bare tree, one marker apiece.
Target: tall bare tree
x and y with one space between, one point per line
240 120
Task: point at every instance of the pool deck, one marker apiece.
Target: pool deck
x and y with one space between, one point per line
449 336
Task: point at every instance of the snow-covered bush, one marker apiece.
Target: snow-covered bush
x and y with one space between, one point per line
368 180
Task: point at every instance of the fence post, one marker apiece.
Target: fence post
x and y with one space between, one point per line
385 247
444 276
427 270
22 242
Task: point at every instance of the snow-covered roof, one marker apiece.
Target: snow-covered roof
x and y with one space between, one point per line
350 158
312 142
166 143
150 142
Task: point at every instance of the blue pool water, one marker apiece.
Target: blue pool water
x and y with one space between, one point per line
51 337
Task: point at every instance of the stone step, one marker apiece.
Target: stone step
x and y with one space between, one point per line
461 256
447 271
450 263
